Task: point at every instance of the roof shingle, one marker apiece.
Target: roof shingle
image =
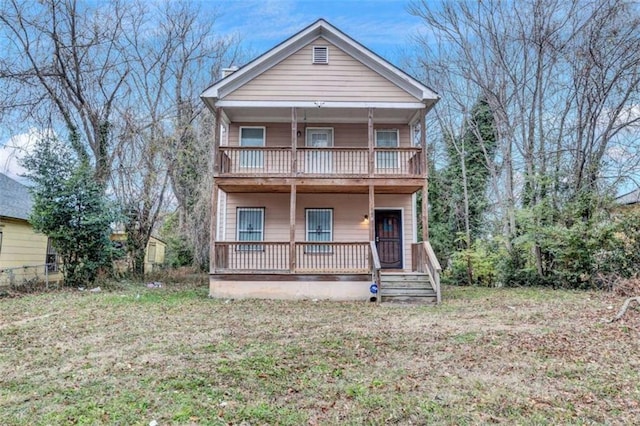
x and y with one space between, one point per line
15 199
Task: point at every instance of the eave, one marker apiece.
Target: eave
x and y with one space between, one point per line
216 93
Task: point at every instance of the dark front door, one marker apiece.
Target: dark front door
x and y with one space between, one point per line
388 225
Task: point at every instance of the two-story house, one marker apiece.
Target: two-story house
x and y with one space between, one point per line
319 158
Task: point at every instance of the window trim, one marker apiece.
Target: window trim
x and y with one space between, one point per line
388 164
319 249
250 247
396 131
307 135
258 153
315 60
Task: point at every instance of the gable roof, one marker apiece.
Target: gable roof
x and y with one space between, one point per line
632 197
320 28
15 199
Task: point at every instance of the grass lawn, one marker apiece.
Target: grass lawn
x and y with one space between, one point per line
134 355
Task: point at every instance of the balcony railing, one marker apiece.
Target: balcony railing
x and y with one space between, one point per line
310 257
319 162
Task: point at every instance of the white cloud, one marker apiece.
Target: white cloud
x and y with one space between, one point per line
629 115
14 149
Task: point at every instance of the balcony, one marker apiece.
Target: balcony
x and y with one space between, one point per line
332 162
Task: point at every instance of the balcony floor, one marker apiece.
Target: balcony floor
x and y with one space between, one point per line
320 185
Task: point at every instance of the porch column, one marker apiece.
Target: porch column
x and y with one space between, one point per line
425 186
371 143
213 228
292 229
294 141
292 201
216 140
372 212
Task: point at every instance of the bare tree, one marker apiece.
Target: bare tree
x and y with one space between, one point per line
64 57
169 64
562 81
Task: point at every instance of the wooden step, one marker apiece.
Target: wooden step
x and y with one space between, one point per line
406 287
409 300
405 276
417 292
406 284
417 281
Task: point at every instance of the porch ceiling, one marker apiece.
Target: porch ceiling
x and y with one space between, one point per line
319 115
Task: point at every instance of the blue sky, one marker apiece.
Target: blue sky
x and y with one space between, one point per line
383 26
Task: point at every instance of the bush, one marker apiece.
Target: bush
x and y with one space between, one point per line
179 251
475 266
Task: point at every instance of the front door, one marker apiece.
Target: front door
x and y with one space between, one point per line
388 224
319 161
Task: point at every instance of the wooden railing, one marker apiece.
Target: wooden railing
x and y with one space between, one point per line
398 161
332 257
255 256
375 268
254 161
423 259
311 257
333 161
319 162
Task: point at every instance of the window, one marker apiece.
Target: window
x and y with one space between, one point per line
386 139
319 161
51 258
151 253
319 137
321 55
319 228
0 242
250 227
252 136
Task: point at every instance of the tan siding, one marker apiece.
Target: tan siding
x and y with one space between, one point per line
344 135
348 215
343 79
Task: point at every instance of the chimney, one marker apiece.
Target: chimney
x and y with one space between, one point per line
228 71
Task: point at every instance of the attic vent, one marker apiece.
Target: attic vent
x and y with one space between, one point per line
320 54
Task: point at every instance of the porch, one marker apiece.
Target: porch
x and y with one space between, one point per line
320 270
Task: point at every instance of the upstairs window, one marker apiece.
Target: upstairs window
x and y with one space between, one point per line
319 160
252 137
387 140
321 55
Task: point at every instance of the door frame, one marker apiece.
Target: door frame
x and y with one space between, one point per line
402 225
328 155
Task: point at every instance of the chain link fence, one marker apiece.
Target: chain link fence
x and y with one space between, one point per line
31 277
